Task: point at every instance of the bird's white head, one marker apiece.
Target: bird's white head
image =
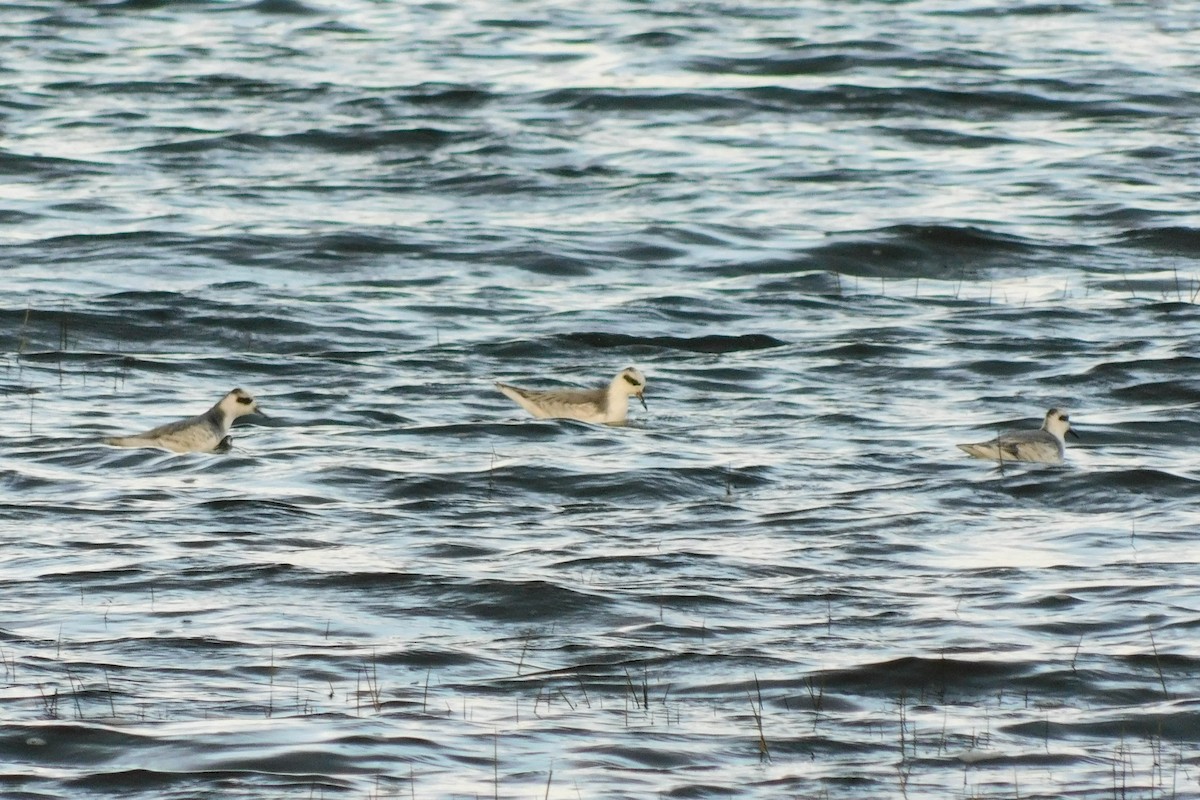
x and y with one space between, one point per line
1058 423
239 403
632 383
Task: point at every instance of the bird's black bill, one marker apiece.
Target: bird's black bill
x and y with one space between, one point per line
643 399
1072 432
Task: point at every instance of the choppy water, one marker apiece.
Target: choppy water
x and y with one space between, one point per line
838 237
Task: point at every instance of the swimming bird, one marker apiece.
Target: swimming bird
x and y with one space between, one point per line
607 404
206 433
1045 446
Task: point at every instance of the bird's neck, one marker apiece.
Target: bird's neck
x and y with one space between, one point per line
219 418
618 400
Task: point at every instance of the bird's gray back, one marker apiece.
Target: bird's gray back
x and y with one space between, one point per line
208 419
1026 437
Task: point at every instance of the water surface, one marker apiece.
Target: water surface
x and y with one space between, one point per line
838 238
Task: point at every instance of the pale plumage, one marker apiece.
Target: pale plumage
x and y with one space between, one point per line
1045 446
205 433
608 404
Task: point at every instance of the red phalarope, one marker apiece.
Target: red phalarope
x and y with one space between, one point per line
609 404
206 433
1045 446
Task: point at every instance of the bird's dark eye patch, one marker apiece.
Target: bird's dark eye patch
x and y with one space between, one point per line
1064 418
245 400
632 381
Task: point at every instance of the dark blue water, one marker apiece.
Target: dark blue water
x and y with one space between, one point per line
837 237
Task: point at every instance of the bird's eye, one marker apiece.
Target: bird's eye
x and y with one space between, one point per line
630 380
1064 418
245 400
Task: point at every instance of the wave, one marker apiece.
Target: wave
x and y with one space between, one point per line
362 139
846 56
1176 240
711 343
939 252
